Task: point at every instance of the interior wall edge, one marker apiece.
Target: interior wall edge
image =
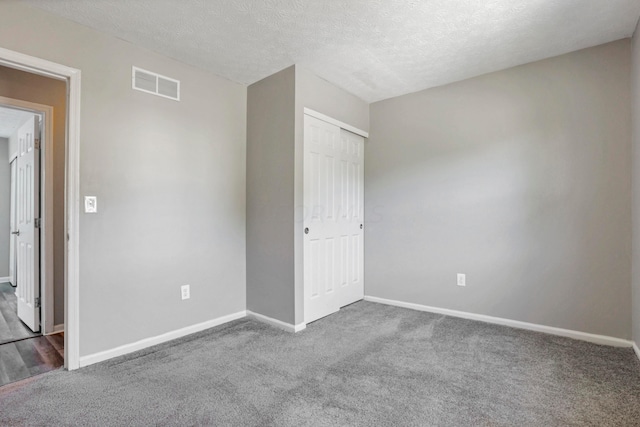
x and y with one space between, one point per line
269 193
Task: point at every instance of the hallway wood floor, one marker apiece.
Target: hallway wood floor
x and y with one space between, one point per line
24 353
31 356
11 327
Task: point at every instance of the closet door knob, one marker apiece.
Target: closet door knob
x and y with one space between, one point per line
17 233
306 230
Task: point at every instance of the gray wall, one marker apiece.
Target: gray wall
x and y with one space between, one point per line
270 168
275 137
5 205
319 95
41 90
522 180
170 182
635 108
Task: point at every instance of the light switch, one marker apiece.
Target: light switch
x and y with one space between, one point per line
90 204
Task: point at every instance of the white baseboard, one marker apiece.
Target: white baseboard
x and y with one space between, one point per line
57 329
5 279
636 349
148 342
584 336
275 322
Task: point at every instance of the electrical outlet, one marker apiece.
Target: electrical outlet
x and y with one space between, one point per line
462 279
186 292
90 204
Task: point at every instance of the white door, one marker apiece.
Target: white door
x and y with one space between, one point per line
333 200
351 220
13 226
28 209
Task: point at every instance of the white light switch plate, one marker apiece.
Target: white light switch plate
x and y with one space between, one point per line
462 279
90 204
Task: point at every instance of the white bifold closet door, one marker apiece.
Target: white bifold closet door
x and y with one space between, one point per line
334 218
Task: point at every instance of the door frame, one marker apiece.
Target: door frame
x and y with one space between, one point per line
331 120
72 77
13 195
46 207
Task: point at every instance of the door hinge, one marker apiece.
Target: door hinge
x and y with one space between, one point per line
36 143
37 302
38 222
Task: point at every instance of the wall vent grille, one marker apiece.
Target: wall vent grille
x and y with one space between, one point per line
154 83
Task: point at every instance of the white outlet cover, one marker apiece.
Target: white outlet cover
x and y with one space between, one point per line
462 279
90 204
185 292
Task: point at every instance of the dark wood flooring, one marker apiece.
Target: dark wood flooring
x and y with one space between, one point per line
31 356
24 353
11 327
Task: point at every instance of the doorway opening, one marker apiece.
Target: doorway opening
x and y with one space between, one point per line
71 78
30 340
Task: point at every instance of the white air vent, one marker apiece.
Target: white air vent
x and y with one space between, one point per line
154 83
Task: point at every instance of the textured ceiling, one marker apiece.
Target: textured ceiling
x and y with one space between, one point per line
375 49
10 120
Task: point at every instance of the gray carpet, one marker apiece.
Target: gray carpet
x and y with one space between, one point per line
367 365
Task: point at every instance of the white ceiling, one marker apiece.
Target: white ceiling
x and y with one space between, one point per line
375 49
10 120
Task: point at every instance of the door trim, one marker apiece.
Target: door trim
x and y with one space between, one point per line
47 309
331 120
72 76
13 217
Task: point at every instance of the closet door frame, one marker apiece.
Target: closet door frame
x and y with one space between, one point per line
348 143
